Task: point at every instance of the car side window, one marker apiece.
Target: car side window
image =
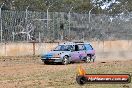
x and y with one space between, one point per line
81 47
76 48
88 47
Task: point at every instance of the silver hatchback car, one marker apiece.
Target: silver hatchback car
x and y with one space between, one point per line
70 52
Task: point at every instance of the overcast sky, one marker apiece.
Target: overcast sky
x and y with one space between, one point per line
105 5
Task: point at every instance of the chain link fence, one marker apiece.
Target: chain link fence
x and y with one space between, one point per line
28 26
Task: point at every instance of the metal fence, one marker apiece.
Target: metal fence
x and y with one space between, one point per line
27 26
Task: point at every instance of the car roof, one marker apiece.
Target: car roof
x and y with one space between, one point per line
73 43
68 43
82 42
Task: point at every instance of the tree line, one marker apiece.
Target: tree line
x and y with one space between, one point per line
80 6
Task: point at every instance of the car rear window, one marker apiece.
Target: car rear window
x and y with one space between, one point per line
88 47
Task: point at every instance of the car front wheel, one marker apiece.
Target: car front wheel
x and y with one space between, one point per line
65 60
46 62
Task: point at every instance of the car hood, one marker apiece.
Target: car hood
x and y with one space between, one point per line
55 54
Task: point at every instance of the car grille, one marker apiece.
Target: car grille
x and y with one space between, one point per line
48 56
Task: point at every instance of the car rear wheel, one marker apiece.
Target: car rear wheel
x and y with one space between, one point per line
65 60
88 59
93 58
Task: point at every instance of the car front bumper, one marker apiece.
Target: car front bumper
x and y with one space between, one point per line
52 59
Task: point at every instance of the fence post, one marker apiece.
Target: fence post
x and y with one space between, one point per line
103 45
70 20
33 48
1 22
27 21
5 50
13 34
83 36
39 37
53 26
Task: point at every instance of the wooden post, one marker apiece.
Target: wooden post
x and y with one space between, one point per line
33 48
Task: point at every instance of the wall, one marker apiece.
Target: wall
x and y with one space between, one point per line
112 46
25 49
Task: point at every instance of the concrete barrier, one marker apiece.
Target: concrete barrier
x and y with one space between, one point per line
112 46
25 49
28 49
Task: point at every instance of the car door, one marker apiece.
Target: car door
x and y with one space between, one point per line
75 56
82 51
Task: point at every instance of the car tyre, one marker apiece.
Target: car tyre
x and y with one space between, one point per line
46 62
65 60
88 59
93 58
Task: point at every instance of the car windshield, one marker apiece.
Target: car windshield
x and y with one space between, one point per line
64 48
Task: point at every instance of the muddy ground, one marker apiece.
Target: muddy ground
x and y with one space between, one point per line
29 72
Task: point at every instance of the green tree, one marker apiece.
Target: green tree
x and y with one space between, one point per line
65 5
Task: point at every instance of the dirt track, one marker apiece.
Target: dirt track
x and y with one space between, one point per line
32 73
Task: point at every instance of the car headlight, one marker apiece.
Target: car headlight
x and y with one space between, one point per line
57 55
